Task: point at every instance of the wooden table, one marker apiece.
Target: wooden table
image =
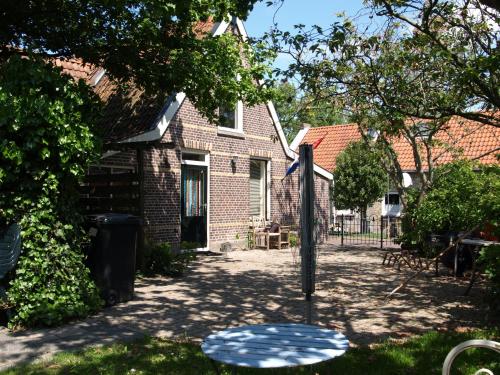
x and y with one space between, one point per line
274 345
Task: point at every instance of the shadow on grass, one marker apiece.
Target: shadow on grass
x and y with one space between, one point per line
419 355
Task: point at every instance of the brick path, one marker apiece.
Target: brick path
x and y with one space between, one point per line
257 286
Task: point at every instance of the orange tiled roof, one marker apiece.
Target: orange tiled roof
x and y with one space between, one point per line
459 137
76 68
337 137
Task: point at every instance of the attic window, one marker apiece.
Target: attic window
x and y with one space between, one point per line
231 118
227 117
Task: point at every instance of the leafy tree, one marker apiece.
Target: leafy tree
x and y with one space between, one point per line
160 45
47 140
422 61
463 196
359 180
295 109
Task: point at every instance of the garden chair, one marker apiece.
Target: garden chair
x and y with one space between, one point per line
273 236
256 224
487 344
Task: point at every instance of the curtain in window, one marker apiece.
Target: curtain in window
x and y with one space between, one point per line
194 192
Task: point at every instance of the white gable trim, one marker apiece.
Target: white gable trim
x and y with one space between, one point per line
298 139
220 28
172 106
161 126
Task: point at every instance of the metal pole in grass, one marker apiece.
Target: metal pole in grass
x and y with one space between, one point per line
308 246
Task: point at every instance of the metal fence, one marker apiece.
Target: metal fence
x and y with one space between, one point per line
372 231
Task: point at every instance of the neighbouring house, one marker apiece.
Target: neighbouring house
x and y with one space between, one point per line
459 137
195 181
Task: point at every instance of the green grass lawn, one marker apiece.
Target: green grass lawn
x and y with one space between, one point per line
419 355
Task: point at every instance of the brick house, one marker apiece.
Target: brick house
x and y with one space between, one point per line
201 182
469 139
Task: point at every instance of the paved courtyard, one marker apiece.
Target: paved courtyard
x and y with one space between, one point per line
264 286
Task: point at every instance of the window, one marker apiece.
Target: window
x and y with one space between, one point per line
258 188
227 117
392 198
422 129
230 118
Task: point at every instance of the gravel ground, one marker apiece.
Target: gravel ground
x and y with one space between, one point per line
257 286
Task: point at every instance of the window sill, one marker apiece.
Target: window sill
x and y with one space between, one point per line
230 132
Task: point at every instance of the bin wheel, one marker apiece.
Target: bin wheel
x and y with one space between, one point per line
111 299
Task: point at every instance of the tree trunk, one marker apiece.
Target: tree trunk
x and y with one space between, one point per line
363 223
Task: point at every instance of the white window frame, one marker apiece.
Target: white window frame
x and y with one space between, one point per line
238 122
204 163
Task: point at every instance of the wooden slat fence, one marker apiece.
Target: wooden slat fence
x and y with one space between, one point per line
111 193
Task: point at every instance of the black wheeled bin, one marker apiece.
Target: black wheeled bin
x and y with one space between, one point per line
111 255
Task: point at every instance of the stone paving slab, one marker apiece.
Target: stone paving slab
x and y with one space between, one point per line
258 286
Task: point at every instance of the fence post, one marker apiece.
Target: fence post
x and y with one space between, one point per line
342 230
381 232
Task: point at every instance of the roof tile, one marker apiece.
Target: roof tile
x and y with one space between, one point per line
469 139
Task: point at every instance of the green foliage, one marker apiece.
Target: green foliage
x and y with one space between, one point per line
463 196
490 258
359 179
294 240
46 127
295 109
47 142
51 283
417 355
161 260
420 60
158 45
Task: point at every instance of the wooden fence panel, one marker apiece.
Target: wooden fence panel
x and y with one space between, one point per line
108 192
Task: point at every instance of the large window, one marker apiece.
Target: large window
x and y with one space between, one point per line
258 188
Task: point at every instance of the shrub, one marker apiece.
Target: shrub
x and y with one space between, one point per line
47 140
294 240
51 283
161 260
463 196
490 258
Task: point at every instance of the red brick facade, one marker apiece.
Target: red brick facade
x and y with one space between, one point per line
228 185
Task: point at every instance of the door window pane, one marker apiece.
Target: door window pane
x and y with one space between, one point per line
194 192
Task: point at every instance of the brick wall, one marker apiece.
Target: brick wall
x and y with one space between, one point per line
229 187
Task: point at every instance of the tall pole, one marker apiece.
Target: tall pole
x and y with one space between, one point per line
307 248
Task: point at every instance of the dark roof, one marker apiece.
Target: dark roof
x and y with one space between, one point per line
127 112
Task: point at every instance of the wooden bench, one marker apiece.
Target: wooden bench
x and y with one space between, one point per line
267 235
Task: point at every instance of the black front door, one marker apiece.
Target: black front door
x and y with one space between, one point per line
194 204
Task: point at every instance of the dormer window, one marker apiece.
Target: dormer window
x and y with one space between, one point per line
422 129
373 134
231 119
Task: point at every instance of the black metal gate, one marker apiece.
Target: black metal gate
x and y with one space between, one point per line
372 231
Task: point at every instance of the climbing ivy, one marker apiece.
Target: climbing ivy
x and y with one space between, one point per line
47 140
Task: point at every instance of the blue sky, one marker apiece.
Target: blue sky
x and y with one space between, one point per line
293 12
308 12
